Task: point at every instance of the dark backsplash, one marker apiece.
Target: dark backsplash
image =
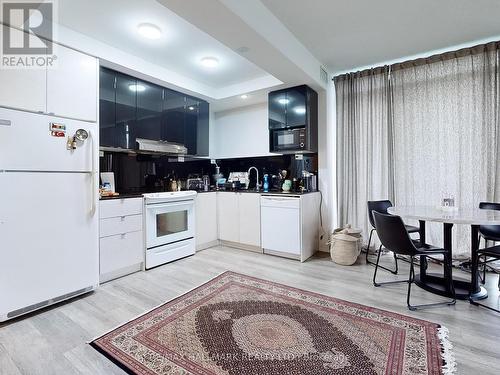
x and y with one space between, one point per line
144 173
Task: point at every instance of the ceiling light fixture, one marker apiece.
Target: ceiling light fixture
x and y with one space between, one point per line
300 110
283 101
244 96
136 87
149 31
209 62
191 108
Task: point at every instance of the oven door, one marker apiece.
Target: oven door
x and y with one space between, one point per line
169 222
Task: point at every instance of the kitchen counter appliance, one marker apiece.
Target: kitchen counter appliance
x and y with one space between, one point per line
290 225
170 226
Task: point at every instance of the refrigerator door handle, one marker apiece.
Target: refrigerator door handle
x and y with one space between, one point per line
92 178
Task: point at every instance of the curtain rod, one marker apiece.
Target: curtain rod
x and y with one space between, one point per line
475 50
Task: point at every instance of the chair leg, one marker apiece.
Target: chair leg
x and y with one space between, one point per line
411 280
368 246
483 280
475 303
377 266
394 271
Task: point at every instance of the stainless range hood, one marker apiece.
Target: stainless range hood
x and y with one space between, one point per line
150 147
160 147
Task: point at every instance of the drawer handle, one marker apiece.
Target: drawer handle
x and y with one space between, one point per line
123 235
122 218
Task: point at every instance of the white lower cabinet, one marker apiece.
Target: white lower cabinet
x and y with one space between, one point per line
249 219
206 220
119 253
239 219
228 216
121 244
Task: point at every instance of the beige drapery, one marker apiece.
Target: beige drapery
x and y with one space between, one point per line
419 131
364 145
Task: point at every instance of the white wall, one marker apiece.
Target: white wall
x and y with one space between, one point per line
240 132
327 161
243 132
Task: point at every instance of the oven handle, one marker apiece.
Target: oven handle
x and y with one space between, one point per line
169 205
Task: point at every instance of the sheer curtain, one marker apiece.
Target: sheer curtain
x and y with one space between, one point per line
364 144
426 130
446 135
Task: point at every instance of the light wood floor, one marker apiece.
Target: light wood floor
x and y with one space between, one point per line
53 341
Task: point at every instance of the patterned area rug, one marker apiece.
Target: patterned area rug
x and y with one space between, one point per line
240 325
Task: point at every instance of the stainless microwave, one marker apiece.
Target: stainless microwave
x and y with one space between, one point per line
289 139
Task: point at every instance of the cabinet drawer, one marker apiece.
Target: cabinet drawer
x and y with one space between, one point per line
120 207
119 225
120 251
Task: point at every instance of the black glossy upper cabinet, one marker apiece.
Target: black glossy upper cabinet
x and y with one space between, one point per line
132 108
125 111
191 111
203 131
173 129
117 109
149 111
277 109
107 100
293 107
186 122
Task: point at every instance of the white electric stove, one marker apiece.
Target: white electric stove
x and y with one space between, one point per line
170 226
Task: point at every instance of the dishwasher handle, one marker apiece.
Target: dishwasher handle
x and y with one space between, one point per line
280 202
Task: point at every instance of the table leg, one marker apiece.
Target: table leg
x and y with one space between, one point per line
476 291
423 260
422 231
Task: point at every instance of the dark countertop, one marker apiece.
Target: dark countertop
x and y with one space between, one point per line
121 196
261 192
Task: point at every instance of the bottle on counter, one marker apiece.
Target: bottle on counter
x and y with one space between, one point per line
266 183
206 183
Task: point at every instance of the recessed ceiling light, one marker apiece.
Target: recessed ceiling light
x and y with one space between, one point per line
283 101
299 110
149 31
210 62
136 87
244 96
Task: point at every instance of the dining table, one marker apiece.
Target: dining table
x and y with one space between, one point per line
450 216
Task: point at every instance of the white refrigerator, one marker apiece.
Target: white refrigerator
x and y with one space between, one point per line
49 248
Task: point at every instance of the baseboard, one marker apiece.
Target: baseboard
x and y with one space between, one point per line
105 277
236 245
282 254
207 245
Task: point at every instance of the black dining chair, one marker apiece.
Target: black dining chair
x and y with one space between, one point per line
489 233
394 236
382 207
494 254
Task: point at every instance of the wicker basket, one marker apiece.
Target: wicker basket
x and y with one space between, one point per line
345 245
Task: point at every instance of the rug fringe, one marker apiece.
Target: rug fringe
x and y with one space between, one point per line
449 364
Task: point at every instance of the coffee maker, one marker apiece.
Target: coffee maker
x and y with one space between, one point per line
309 181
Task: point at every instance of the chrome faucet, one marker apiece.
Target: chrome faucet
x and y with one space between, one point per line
257 185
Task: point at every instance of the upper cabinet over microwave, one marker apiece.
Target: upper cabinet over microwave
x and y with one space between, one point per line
293 107
293 120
